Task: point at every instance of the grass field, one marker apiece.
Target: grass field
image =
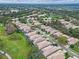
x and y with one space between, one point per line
3 57
15 45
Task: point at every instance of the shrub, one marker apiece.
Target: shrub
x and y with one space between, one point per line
62 40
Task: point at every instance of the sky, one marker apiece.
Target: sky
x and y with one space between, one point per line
40 1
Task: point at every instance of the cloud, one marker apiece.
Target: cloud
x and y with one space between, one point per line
53 1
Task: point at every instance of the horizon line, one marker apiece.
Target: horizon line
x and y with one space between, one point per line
40 3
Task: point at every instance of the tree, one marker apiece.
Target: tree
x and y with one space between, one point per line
62 40
72 46
10 28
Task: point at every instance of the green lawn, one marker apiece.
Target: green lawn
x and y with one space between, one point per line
16 45
3 57
17 48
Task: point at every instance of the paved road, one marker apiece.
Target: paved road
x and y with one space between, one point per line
6 54
71 53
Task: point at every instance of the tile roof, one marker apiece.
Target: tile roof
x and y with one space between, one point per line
50 50
43 44
57 55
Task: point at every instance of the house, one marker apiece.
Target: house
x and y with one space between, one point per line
67 24
57 55
43 26
40 39
57 34
36 22
34 37
31 33
26 30
72 40
50 50
43 44
48 29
